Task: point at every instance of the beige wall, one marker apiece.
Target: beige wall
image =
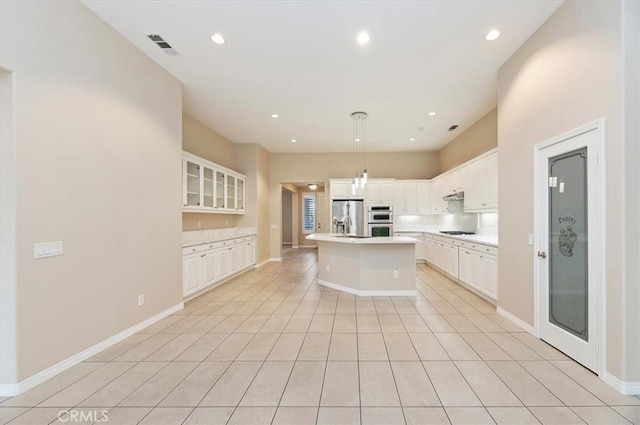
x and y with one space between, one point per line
287 218
566 75
320 167
99 168
481 137
264 181
200 140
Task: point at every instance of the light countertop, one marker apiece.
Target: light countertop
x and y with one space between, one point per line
491 240
198 237
336 237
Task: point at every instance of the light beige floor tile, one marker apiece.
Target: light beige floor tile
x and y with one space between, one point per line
210 308
428 347
287 347
166 416
371 347
345 323
460 323
253 324
444 307
543 349
307 307
469 416
513 347
384 307
258 348
382 416
563 387
193 306
206 325
487 386
298 323
230 307
269 307
631 413
602 415
437 323
248 308
367 323
37 395
414 386
483 323
232 384
230 324
195 386
346 307
38 416
295 416
162 324
145 348
75 393
162 383
120 348
230 347
183 324
343 347
9 413
504 323
593 384
484 346
404 306
399 346
202 348
341 385
512 416
414 323
365 307
327 307
268 385
275 324
377 386
117 390
209 416
174 348
456 347
125 415
523 385
338 416
425 415
391 323
305 385
451 387
321 323
315 347
425 307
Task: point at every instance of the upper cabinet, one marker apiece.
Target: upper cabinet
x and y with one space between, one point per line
341 189
481 193
211 188
379 192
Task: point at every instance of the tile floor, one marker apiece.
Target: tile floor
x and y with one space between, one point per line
273 347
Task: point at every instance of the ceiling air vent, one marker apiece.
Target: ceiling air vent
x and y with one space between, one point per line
453 127
166 47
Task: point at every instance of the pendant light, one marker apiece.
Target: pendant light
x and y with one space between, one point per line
359 140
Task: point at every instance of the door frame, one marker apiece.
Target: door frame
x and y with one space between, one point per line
597 231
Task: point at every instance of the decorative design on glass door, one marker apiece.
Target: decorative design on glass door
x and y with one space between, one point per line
567 239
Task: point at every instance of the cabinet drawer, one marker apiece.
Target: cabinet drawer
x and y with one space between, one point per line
485 249
192 249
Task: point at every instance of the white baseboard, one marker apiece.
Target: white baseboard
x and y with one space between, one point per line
9 390
268 260
308 246
295 247
364 293
524 325
626 388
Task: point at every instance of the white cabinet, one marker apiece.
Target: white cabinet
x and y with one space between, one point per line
210 188
438 190
469 262
379 192
341 189
405 194
489 277
205 265
423 202
482 193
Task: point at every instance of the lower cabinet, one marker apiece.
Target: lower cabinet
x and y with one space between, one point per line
212 263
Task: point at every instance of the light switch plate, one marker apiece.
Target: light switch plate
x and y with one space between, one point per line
531 239
47 249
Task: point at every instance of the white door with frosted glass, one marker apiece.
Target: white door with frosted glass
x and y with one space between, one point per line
569 244
322 225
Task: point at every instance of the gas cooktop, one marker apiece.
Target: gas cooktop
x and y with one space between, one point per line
456 232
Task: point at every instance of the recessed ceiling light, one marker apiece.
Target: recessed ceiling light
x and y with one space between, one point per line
492 35
293 140
357 140
431 114
363 37
412 139
275 115
217 38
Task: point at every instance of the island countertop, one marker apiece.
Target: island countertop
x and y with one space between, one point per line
336 237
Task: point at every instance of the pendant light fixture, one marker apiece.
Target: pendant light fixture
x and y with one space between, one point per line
359 146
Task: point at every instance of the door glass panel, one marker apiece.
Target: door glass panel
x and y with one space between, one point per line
240 196
231 191
568 238
380 231
193 184
208 187
219 189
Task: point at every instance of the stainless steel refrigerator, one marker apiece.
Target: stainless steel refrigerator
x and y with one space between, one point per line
349 217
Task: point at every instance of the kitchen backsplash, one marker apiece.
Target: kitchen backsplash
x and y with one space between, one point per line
480 223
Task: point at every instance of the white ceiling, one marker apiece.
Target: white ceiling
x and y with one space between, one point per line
299 59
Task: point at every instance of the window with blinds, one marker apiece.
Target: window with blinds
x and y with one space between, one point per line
308 212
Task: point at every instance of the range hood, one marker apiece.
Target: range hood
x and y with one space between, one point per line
455 196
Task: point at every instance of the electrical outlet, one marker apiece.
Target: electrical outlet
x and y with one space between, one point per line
328 268
140 300
530 238
395 274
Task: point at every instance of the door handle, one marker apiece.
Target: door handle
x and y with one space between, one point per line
542 254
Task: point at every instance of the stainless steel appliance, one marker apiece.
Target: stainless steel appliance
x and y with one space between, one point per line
456 232
348 217
380 221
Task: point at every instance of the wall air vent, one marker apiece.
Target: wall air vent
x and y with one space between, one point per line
453 127
166 47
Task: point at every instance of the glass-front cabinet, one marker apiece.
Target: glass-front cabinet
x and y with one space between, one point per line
212 188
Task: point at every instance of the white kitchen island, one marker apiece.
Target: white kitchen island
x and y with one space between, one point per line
383 266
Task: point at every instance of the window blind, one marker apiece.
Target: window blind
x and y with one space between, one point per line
308 212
